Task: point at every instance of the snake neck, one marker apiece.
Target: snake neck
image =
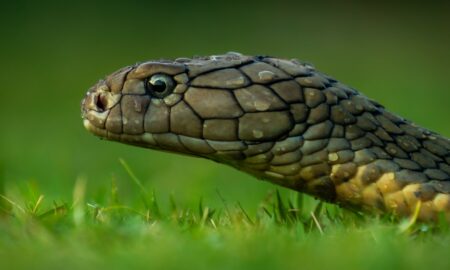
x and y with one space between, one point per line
357 154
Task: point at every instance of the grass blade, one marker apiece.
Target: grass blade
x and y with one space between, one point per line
132 175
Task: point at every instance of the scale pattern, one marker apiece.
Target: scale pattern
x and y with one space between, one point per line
281 121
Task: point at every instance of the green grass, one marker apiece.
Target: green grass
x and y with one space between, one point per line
289 232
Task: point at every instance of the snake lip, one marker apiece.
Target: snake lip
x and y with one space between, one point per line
95 130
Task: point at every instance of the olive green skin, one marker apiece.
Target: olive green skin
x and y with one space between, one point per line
281 121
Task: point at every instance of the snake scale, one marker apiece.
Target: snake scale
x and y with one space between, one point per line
281 121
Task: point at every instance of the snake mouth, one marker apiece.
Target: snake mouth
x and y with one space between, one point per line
146 140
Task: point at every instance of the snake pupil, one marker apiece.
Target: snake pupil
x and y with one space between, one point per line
159 86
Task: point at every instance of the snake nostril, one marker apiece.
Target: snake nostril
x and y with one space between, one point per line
100 104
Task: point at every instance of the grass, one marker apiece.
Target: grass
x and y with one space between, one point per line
291 232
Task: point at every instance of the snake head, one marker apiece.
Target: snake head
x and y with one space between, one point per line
118 107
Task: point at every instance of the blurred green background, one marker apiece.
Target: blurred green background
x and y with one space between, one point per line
52 51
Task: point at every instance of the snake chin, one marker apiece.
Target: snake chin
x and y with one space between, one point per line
93 129
142 140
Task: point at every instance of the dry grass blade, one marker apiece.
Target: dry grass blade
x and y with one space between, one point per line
316 222
37 204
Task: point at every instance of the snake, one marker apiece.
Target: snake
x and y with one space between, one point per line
282 121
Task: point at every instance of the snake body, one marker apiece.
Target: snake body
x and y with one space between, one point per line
281 121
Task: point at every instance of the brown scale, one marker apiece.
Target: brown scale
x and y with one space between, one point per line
282 121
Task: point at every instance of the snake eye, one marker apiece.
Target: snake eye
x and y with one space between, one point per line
159 85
